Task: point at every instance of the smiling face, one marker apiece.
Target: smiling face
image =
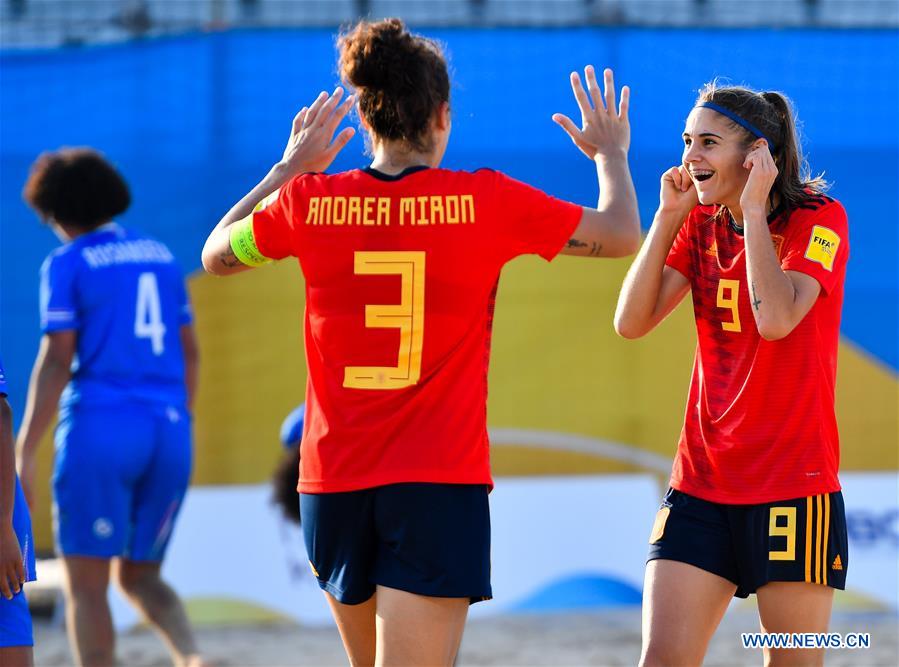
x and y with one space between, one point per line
714 152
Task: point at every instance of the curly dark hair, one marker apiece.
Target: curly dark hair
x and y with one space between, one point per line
284 485
400 79
76 187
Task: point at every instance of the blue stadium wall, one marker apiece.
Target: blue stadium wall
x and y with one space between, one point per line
195 121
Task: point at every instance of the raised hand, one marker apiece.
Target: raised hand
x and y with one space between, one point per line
312 145
677 194
603 131
762 174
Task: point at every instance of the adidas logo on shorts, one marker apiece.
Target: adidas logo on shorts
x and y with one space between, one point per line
837 563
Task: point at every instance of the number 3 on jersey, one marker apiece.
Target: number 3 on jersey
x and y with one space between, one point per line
408 316
148 313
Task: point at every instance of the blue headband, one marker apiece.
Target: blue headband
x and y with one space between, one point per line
745 124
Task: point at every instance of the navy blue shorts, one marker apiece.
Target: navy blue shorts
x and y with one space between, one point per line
802 539
428 539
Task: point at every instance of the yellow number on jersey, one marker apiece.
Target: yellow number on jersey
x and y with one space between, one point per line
788 530
408 316
728 293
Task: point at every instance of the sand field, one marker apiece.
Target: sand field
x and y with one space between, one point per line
595 638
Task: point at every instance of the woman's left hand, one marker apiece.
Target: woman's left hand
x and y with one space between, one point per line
310 147
762 174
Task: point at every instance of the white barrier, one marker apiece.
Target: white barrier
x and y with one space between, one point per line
872 514
558 543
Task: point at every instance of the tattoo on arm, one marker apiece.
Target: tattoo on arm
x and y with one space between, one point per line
595 248
229 259
756 302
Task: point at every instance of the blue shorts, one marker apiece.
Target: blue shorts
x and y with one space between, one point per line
21 523
15 622
120 475
428 539
802 539
15 619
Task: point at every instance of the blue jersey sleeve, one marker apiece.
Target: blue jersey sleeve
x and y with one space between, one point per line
58 302
2 379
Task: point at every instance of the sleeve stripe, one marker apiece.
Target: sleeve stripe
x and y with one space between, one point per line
59 315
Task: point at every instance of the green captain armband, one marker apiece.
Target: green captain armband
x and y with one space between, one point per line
243 243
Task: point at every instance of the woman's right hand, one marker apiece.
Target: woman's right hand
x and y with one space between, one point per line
310 147
12 570
677 195
605 131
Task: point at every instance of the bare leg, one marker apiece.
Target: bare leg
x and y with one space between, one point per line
356 623
794 607
160 605
418 629
16 656
88 620
682 606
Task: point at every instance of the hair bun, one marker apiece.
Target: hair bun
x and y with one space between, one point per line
400 78
379 56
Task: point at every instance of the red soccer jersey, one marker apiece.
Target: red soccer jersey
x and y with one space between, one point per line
760 423
401 275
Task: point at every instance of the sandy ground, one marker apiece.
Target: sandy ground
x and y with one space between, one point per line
606 638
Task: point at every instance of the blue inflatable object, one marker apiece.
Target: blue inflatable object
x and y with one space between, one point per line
292 427
586 591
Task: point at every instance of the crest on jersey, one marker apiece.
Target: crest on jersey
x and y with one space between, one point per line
822 246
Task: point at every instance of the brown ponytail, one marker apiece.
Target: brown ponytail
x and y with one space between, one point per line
400 78
772 114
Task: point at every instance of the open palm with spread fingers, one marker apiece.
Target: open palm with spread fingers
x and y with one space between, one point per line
603 130
312 145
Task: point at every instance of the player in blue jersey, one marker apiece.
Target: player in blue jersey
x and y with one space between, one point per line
287 472
118 355
16 550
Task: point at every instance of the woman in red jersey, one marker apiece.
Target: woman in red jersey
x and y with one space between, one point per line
755 503
401 262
